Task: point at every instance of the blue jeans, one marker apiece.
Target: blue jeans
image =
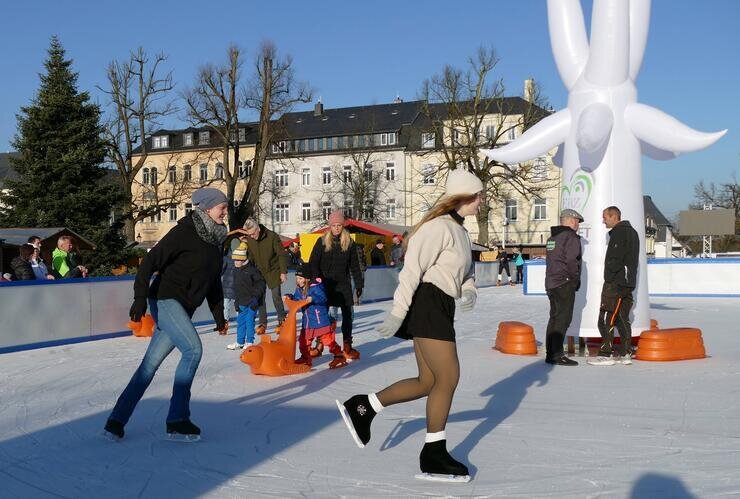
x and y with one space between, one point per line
245 324
174 330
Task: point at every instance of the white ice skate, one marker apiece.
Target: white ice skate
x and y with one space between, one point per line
434 477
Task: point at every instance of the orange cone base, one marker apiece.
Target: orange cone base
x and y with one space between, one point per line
516 338
681 343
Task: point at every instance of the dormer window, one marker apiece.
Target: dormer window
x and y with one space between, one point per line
242 135
204 138
160 142
187 139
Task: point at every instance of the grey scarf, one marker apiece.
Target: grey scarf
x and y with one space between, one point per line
207 229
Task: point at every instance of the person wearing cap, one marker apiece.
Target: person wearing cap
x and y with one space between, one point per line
249 292
438 269
377 255
267 253
333 258
562 280
187 263
620 279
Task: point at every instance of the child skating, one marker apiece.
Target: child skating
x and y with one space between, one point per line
249 291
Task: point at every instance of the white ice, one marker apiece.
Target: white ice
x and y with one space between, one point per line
524 428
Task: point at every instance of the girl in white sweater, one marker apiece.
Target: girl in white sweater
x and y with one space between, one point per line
438 269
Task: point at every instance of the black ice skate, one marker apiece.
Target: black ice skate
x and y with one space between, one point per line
183 431
357 414
113 430
437 464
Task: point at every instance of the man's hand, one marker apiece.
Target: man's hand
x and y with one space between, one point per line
138 309
390 326
467 300
283 278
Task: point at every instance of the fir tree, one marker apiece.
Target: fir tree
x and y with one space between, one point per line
61 163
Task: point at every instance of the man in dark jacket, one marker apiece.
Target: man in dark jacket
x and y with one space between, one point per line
21 265
267 253
562 280
620 279
377 255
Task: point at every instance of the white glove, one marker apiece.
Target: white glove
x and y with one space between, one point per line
467 300
389 326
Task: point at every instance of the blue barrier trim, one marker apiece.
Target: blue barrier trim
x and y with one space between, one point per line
47 282
701 261
65 341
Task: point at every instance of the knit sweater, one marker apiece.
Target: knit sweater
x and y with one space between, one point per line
439 253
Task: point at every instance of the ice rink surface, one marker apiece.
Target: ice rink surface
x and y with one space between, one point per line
525 429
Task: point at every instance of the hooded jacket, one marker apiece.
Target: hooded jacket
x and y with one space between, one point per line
622 256
268 255
563 264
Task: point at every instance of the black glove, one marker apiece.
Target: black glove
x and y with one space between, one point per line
138 309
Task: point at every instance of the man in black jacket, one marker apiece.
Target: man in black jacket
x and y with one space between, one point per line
620 279
562 280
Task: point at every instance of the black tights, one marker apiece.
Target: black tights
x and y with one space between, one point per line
439 372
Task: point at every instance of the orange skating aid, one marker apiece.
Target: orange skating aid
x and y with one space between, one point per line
277 358
515 338
680 343
144 328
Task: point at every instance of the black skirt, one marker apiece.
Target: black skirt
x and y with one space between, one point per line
431 315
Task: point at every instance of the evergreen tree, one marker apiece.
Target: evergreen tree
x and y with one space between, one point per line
61 164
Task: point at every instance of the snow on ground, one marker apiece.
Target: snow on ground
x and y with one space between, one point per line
526 429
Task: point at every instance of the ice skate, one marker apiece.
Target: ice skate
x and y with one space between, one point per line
261 329
235 346
317 350
113 430
183 431
338 361
357 414
350 352
437 465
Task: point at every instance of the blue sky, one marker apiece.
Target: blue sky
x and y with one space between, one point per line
362 53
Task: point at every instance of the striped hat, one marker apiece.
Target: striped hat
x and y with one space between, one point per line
240 253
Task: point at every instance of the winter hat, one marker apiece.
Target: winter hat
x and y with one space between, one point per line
240 253
461 181
336 217
208 197
568 213
303 271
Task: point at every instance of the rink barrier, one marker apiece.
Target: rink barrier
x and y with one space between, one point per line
667 277
672 344
515 338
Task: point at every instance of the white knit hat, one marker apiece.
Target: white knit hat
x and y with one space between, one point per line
461 181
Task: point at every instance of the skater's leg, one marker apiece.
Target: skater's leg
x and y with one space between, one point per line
622 324
159 348
562 300
249 314
410 388
441 357
263 312
241 325
228 307
176 323
277 301
347 323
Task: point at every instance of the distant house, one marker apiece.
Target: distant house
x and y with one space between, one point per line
660 241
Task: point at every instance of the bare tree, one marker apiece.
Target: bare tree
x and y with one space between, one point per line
272 92
726 195
467 111
139 91
214 102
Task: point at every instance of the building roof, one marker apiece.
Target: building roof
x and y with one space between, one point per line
6 170
661 222
16 236
380 229
176 139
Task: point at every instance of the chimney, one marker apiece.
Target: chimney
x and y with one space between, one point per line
318 109
398 99
529 90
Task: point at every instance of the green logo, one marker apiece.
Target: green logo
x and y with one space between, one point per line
576 193
550 245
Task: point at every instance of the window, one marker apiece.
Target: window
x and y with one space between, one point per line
155 217
369 211
160 142
325 210
368 172
330 141
320 144
203 172
204 138
145 176
281 212
540 209
173 213
347 174
305 212
511 210
187 173
390 209
187 139
490 132
511 134
242 135
349 208
311 144
172 174
427 140
326 175
154 175
245 169
539 170
392 138
188 208
305 177
427 175
281 178
340 143
219 171
455 137
390 171
383 139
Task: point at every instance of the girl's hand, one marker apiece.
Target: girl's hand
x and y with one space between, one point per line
310 299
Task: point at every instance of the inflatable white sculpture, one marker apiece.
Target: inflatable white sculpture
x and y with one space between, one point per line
602 134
